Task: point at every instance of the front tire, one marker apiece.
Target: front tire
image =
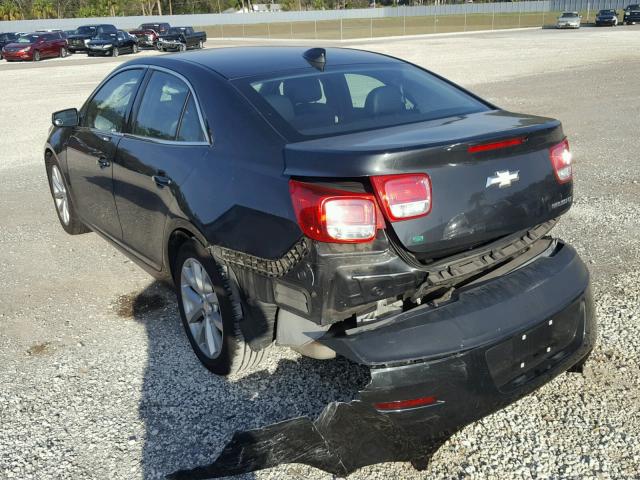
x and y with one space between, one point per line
63 52
115 52
201 45
211 312
36 56
62 201
135 48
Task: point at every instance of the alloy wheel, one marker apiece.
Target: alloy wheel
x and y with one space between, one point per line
60 195
36 56
201 308
116 52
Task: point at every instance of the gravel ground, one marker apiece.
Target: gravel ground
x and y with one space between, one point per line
98 380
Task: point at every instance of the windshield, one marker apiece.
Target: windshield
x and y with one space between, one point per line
28 39
633 7
355 98
86 30
569 15
106 36
606 12
174 31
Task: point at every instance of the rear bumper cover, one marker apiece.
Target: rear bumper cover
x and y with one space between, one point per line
491 345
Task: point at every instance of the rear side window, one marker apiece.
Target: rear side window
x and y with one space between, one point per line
161 107
355 98
190 127
109 106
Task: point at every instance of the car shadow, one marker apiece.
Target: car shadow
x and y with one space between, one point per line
190 414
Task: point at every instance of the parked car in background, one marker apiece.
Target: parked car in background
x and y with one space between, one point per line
79 41
180 39
569 20
36 46
631 14
148 33
5 39
112 44
607 17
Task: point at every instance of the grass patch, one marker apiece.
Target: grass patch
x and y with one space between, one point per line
354 28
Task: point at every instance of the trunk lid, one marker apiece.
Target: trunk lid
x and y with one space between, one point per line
476 197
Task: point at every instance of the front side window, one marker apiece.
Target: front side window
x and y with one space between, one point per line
108 108
355 98
161 107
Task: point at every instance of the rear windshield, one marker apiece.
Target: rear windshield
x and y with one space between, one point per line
355 98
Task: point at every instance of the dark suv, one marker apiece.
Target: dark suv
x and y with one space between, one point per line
631 14
84 34
338 202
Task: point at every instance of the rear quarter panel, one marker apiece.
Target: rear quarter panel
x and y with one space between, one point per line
236 195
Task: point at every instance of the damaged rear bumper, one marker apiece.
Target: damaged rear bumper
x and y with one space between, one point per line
492 344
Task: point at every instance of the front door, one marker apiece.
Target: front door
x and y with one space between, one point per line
92 147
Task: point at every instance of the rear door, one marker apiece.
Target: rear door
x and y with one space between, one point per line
91 150
166 135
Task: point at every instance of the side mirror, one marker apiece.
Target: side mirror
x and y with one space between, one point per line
65 118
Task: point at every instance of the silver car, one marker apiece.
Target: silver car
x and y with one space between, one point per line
569 20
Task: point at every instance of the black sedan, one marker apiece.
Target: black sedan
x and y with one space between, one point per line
337 202
607 18
112 44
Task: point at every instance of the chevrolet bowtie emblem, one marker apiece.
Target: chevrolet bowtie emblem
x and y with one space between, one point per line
503 179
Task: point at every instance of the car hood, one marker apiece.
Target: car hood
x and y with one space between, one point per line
17 46
102 42
78 37
569 19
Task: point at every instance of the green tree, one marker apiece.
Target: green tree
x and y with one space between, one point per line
10 10
43 9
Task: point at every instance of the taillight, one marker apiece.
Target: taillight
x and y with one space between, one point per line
330 215
404 196
561 161
406 404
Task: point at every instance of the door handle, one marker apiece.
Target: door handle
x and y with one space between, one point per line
103 162
161 180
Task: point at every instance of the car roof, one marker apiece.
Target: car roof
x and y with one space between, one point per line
235 62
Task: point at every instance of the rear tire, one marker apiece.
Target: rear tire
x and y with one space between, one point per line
135 48
62 200
211 312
